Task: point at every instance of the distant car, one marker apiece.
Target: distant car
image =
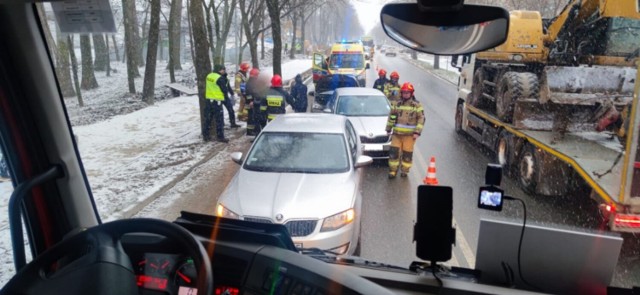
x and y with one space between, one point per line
302 172
390 52
326 85
368 110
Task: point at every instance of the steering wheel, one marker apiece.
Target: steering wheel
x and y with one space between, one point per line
94 261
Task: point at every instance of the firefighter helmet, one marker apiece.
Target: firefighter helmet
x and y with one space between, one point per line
276 81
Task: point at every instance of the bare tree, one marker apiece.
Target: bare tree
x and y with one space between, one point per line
222 19
148 87
108 55
115 47
63 66
175 21
100 49
88 76
74 67
251 16
201 57
130 43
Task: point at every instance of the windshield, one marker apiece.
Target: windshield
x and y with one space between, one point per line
345 60
160 107
363 105
298 153
623 36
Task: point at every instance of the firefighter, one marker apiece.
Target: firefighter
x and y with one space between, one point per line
239 87
299 95
392 88
404 125
253 123
213 108
381 81
277 99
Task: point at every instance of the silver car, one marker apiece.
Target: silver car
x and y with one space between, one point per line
302 172
368 110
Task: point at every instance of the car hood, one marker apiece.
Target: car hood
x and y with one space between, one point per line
294 195
369 126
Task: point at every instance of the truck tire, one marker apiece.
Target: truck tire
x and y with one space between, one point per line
475 98
528 168
511 87
458 119
504 151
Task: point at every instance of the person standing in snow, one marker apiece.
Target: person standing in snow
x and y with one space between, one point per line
299 94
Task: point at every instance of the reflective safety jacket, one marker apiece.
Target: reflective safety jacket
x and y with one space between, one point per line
276 101
406 117
392 91
380 83
213 90
240 84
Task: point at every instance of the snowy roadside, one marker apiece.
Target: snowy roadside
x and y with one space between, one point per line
135 158
425 61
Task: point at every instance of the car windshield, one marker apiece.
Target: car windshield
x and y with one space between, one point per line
363 105
298 153
346 60
169 107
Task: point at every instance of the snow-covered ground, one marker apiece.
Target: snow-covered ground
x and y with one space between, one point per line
131 154
446 71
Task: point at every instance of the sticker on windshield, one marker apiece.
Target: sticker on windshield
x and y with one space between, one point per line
91 16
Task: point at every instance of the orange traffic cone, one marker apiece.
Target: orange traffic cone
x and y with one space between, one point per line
431 173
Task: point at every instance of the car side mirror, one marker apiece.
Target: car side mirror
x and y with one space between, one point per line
363 161
237 157
327 110
470 29
312 93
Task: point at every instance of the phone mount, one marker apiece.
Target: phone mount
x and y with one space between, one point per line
433 231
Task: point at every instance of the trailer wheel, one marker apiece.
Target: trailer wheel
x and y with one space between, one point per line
476 99
504 151
458 122
511 87
528 168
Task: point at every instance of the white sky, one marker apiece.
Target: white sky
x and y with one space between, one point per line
368 12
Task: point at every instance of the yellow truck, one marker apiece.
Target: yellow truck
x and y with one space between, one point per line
557 98
345 58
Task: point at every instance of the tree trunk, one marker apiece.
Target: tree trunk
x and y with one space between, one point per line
115 47
144 40
74 66
88 76
63 66
303 34
191 46
100 49
262 48
148 87
436 62
273 6
108 56
51 44
210 30
175 21
130 44
292 49
201 58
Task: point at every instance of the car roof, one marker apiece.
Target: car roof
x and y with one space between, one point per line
308 123
358 91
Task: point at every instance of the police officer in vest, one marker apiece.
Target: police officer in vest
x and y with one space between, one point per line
277 99
213 105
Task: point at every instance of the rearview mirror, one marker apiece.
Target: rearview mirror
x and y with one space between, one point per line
237 157
471 29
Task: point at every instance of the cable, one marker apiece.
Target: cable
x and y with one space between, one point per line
524 223
434 265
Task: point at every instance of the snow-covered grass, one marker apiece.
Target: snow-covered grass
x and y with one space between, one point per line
132 151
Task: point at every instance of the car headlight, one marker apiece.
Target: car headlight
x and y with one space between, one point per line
339 220
221 211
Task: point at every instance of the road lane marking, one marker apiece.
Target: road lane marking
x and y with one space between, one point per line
461 241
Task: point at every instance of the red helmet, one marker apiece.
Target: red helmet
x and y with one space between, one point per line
382 72
254 72
276 81
394 75
407 87
244 67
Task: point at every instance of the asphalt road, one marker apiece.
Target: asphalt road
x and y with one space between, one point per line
389 206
